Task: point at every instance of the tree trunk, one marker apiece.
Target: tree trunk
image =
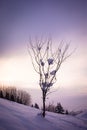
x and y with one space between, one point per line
44 96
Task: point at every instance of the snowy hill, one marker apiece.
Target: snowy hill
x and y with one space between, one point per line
14 116
83 115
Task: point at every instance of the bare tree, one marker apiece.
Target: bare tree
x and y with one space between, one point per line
46 61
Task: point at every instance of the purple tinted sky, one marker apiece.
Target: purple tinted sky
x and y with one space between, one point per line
63 20
20 19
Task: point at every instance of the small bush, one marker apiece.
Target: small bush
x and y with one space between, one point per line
59 108
12 94
36 106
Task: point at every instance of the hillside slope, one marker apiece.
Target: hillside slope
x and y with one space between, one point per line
14 116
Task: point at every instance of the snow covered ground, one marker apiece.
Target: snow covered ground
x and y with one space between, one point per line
14 116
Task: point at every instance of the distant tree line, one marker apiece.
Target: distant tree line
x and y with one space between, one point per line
13 94
57 109
52 108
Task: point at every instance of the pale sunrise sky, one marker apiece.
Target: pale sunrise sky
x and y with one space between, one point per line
62 20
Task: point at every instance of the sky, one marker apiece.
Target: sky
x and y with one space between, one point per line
59 19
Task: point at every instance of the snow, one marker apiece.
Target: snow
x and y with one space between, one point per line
53 72
50 61
14 116
83 115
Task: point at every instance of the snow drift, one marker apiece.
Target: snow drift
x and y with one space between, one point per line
14 116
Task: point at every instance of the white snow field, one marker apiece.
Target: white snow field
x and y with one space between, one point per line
14 116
